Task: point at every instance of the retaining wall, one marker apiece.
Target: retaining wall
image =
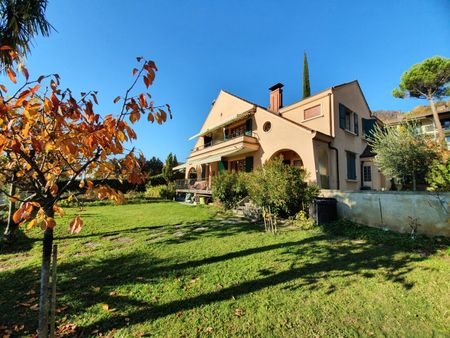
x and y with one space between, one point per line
394 210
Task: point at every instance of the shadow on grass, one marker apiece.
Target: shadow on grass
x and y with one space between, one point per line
21 242
86 283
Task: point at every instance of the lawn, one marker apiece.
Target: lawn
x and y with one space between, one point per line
166 269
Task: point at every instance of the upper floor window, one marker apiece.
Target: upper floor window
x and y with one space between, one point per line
312 112
348 119
368 126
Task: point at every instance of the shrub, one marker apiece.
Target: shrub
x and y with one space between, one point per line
303 221
154 191
230 188
438 176
281 188
167 192
163 191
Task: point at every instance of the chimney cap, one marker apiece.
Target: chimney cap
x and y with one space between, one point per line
278 85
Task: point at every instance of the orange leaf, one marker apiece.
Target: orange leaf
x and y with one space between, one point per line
76 225
17 216
49 223
11 75
143 100
117 99
5 47
25 72
150 117
135 70
3 88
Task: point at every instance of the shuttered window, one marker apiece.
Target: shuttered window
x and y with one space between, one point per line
351 166
355 123
312 112
368 126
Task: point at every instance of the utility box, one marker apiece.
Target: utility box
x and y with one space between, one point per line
323 210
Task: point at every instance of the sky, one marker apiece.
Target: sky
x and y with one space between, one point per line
241 46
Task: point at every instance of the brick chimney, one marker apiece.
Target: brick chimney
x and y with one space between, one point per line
276 97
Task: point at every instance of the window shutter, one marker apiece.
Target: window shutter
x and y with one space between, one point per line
356 123
248 127
223 166
351 166
249 164
341 116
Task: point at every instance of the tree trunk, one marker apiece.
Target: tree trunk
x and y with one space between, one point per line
11 227
437 122
45 272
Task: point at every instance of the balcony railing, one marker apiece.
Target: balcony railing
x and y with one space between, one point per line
191 184
231 136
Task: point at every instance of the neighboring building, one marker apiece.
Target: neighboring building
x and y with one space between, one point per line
324 134
423 118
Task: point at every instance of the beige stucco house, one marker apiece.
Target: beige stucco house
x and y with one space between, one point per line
324 134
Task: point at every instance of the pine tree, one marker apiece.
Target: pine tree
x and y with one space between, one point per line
306 87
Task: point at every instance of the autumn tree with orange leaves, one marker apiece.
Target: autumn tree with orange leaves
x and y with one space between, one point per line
52 139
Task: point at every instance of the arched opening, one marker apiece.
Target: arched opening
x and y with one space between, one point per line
192 175
289 157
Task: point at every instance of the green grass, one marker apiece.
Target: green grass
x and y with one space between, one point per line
166 269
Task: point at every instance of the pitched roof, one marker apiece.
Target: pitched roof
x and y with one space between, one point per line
368 152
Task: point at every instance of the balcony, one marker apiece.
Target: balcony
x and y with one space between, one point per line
244 141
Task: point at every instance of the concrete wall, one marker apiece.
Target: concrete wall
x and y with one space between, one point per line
392 209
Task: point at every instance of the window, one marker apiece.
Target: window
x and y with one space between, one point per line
368 126
238 165
351 165
267 126
312 112
348 119
367 173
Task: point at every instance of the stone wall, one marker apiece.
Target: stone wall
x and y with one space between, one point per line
394 210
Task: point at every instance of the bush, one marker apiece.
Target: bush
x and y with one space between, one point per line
438 176
303 221
281 188
230 188
167 192
163 191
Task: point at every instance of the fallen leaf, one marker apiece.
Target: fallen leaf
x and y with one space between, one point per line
105 307
238 312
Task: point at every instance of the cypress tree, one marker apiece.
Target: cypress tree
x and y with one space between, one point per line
306 87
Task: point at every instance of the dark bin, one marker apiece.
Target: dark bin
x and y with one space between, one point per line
323 210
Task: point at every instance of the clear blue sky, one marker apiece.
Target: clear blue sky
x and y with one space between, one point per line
241 46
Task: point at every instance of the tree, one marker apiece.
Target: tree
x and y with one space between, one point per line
167 171
281 188
53 139
427 80
20 22
402 152
306 87
153 167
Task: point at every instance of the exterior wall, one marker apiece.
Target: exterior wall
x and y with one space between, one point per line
392 210
350 96
283 135
379 182
322 123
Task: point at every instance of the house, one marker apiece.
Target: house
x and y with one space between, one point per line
325 134
422 117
